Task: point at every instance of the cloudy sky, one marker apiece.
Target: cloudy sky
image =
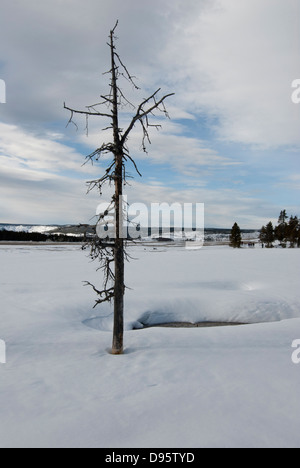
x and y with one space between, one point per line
233 140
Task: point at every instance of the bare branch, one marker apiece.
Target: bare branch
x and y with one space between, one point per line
74 111
87 125
133 162
106 295
127 74
116 25
106 148
72 121
142 113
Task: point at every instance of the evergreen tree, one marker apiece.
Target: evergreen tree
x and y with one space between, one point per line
263 235
284 232
293 231
235 236
267 235
282 217
270 235
281 231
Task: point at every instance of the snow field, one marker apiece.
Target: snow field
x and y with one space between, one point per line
217 387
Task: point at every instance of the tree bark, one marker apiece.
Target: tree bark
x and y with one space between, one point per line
118 332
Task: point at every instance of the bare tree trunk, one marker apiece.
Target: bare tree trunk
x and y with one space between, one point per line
119 288
117 347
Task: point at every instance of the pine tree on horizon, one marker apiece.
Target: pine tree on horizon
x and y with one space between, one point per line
293 231
235 236
281 231
267 235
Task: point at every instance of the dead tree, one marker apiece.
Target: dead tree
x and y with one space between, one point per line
112 254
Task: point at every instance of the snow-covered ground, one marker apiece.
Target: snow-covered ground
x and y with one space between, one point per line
198 387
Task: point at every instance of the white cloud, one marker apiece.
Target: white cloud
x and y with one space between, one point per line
291 182
23 149
234 60
36 185
169 145
237 62
43 198
41 180
187 155
222 207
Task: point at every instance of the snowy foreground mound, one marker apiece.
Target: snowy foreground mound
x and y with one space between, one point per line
202 387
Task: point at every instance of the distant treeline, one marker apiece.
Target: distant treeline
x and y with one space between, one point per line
37 237
287 232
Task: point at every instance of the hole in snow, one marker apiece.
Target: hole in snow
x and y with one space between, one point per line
190 325
168 319
99 323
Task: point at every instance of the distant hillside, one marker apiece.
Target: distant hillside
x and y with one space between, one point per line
16 234
73 233
26 228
